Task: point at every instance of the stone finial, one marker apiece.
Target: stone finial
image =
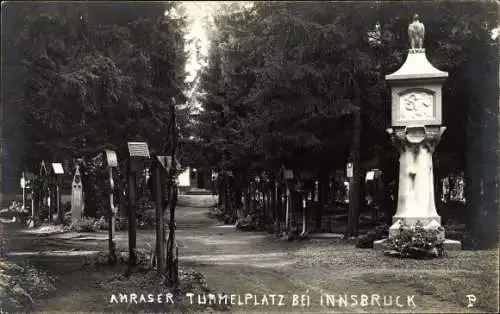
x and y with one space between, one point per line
416 32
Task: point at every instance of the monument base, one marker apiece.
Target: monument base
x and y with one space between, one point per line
407 223
411 221
449 245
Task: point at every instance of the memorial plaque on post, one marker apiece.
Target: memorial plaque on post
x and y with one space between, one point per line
349 170
111 162
58 171
58 168
138 154
111 159
138 149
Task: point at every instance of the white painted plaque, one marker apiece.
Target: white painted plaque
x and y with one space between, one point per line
111 158
138 149
370 175
350 170
415 106
58 168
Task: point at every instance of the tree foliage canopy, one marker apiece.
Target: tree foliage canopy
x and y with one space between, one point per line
97 75
284 77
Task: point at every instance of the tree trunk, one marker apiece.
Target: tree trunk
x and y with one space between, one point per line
279 206
60 212
273 196
288 210
172 250
132 218
321 199
238 192
36 204
225 202
246 210
303 203
355 181
482 153
262 196
361 201
90 207
160 232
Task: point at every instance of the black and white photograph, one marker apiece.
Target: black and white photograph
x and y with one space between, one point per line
250 156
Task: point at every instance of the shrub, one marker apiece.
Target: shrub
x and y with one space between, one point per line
378 233
217 213
251 222
417 243
101 224
16 206
121 223
86 224
247 223
470 242
148 219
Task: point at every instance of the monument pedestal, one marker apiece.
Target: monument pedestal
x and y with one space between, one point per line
416 202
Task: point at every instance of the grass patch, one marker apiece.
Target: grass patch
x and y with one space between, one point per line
448 279
455 287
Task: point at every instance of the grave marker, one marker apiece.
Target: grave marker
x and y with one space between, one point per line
76 196
138 154
58 171
111 162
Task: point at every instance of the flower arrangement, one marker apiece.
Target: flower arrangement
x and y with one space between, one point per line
417 242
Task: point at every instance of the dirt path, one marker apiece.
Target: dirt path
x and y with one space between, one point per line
241 263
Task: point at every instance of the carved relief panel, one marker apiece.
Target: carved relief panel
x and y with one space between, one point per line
417 105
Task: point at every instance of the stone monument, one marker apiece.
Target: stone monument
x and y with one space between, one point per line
416 131
76 196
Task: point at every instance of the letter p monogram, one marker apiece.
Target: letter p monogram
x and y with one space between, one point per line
472 300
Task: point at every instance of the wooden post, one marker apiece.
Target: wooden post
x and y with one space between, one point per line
32 204
57 172
58 202
160 236
131 217
262 196
320 202
288 208
304 222
279 206
138 153
49 203
273 194
35 201
172 249
112 220
23 186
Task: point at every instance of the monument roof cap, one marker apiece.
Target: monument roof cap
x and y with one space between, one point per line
416 66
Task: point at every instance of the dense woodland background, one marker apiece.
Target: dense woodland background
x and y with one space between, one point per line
287 84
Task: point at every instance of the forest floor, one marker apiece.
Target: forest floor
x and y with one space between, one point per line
256 265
